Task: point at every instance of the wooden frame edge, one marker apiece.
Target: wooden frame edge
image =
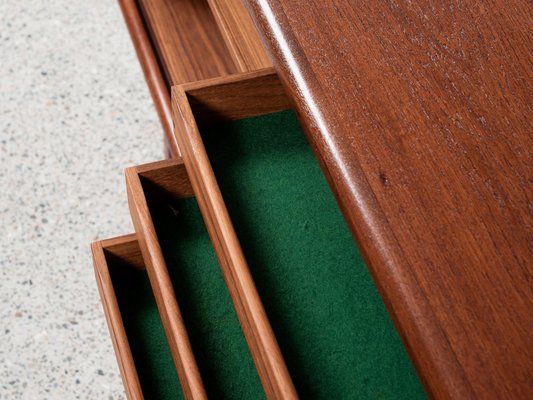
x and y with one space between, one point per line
126 364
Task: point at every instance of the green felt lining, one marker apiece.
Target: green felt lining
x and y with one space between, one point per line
332 326
146 336
219 345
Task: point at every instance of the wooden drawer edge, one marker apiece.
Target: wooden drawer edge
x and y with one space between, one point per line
152 71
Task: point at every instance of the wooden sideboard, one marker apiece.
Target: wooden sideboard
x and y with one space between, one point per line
419 116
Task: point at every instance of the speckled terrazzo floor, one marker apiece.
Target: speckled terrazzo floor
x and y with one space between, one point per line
74 111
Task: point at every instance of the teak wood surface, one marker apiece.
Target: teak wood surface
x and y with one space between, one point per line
105 255
235 97
421 116
240 35
169 176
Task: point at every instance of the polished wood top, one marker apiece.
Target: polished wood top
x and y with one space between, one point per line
421 116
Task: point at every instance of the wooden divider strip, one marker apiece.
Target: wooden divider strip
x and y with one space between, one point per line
241 310
240 35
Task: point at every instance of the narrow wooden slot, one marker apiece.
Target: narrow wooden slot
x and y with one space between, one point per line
183 270
273 214
225 92
187 40
143 355
240 35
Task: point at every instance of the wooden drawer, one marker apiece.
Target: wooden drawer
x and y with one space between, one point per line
183 270
271 213
179 41
136 330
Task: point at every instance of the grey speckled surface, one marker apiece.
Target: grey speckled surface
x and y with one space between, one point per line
74 111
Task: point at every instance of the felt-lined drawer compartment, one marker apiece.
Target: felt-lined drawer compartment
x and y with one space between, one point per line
136 330
189 286
274 214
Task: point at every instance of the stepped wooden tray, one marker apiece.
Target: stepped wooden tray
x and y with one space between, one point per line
199 317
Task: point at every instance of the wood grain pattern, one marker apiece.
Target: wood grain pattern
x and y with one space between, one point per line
171 317
123 249
169 176
187 39
420 114
159 89
236 96
261 340
127 249
240 35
